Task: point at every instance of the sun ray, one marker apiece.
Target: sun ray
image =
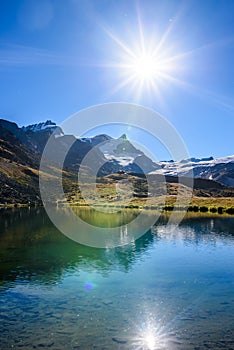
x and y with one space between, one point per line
202 93
140 29
168 30
120 43
121 85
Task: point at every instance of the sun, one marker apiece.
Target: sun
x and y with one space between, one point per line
145 64
145 67
143 70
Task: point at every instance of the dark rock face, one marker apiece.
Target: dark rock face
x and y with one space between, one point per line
78 151
96 140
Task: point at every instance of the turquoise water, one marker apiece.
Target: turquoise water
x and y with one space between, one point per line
165 291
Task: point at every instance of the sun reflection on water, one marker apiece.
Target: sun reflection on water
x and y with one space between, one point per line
153 340
150 341
151 337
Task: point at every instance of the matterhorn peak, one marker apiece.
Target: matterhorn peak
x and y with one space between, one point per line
124 137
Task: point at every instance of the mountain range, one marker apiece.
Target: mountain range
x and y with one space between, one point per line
21 149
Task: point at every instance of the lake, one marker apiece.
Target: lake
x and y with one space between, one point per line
166 290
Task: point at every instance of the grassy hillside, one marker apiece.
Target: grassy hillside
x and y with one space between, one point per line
132 191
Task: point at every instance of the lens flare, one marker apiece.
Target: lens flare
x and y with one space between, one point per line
88 286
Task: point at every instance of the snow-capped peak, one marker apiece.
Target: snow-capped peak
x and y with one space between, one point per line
40 126
199 167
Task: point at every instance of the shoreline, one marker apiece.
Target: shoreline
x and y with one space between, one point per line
195 210
212 211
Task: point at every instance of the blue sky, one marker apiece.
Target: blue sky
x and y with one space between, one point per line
60 56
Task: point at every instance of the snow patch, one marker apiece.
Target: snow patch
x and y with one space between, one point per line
123 161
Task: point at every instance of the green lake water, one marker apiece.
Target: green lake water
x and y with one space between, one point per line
167 290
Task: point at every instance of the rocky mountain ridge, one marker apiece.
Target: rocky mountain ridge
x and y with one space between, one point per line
119 154
21 150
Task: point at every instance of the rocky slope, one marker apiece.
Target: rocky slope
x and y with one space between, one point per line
18 170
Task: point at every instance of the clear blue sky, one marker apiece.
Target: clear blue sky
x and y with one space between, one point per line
60 56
